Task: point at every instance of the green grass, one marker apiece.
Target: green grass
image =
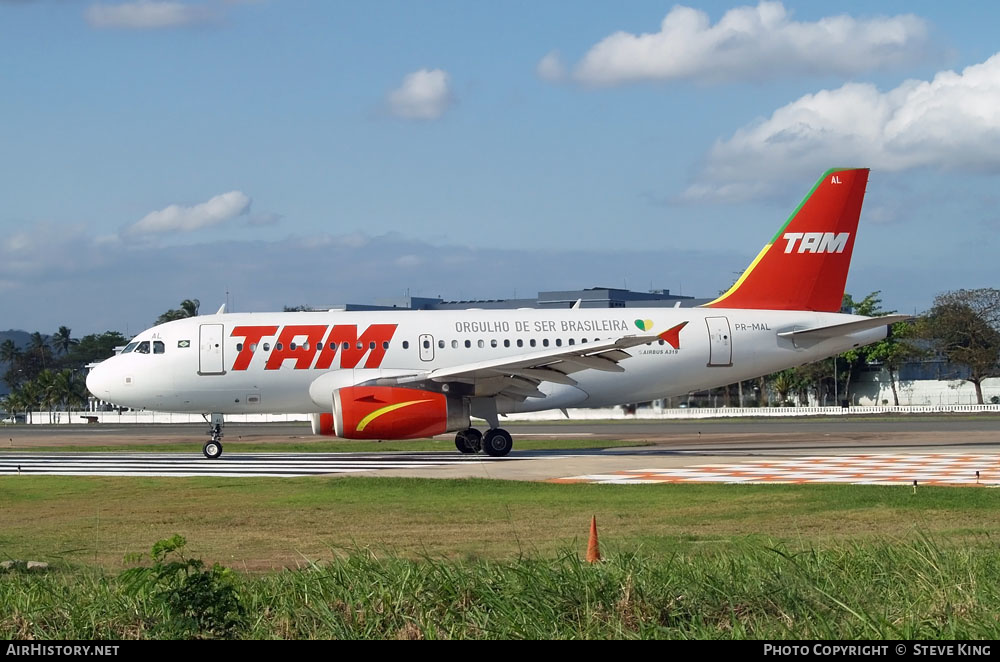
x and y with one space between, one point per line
261 524
424 558
881 589
326 446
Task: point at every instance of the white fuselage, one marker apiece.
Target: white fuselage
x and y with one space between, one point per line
229 363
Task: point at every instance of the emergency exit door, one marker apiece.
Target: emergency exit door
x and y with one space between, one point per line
210 342
720 345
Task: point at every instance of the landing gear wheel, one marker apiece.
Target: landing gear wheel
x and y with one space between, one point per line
212 449
469 441
497 442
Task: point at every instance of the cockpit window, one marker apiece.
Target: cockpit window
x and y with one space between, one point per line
143 347
129 347
158 347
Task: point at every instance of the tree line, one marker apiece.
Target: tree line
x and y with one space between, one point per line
962 328
50 372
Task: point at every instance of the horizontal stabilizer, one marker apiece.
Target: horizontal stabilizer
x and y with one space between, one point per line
847 328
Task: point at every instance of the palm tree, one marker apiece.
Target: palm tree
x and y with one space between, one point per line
68 390
14 403
48 390
9 352
30 397
189 308
39 347
783 383
62 341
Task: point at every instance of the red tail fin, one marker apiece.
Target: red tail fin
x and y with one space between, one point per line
804 267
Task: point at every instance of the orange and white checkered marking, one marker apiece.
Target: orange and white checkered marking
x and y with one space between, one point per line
926 469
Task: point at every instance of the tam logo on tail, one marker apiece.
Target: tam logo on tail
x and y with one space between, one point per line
817 242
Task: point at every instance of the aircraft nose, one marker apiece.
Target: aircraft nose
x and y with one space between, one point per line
97 382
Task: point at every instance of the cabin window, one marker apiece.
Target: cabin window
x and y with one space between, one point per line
143 347
468 344
558 342
454 344
406 344
532 342
661 342
427 344
361 345
506 342
385 344
267 347
371 345
239 347
159 347
545 342
481 344
291 346
346 345
493 343
278 347
571 341
440 344
520 343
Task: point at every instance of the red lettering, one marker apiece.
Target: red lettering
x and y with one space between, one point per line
251 336
303 353
374 340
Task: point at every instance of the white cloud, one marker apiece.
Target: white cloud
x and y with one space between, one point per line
424 95
551 67
951 122
755 43
407 261
146 15
177 218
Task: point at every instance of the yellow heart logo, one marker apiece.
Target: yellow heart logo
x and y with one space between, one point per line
644 325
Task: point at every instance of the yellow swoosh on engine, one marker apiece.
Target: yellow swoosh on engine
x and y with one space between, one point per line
385 410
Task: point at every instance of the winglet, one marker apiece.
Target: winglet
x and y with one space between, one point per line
672 336
804 266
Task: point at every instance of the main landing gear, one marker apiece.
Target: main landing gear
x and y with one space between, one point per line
213 447
496 442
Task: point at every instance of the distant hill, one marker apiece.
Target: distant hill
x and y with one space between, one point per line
20 338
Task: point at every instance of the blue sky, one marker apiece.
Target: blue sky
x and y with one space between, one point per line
297 152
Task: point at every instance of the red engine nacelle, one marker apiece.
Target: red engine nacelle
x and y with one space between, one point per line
391 412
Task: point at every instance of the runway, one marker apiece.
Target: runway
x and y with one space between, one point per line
945 450
232 465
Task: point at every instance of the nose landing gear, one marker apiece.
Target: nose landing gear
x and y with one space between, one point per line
213 447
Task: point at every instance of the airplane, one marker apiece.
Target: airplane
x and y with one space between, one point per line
416 374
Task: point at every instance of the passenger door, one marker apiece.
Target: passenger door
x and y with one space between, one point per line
210 343
720 352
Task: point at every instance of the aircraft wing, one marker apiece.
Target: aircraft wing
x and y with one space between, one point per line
520 375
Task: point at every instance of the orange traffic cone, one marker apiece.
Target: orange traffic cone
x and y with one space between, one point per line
593 550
